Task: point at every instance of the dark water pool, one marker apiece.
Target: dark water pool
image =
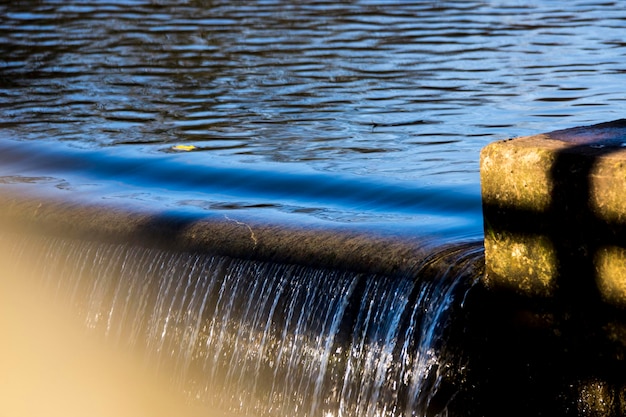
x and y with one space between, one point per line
358 113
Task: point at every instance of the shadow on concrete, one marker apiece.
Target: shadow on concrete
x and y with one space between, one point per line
562 355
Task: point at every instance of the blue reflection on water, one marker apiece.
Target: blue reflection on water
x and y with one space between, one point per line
361 112
186 183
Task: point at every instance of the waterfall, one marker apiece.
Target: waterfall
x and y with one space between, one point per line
265 338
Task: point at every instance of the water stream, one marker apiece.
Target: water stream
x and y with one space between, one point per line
267 339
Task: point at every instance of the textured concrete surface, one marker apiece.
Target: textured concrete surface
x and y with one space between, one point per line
555 213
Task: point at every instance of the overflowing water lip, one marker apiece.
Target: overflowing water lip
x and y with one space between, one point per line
184 184
241 335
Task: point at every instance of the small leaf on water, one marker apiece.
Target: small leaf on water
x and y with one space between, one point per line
186 148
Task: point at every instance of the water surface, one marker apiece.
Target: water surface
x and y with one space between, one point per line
396 95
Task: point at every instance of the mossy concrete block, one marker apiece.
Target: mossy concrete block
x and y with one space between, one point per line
555 213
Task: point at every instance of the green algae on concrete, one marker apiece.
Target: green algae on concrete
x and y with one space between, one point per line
555 213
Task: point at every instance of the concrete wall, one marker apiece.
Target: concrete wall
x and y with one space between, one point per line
555 213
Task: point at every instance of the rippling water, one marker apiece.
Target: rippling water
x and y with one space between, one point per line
369 90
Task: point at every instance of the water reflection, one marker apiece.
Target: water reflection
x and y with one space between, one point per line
334 86
183 184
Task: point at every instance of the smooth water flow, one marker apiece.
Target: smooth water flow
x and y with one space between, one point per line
266 339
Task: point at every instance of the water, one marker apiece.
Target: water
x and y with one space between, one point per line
354 115
366 91
265 339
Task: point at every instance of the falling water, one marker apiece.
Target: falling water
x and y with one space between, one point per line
267 339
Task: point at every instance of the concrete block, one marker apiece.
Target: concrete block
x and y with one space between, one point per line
555 213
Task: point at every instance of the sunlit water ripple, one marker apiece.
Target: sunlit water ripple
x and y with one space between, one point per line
371 91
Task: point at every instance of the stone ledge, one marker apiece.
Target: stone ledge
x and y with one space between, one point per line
555 213
243 238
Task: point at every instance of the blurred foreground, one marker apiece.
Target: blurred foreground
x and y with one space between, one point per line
51 367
